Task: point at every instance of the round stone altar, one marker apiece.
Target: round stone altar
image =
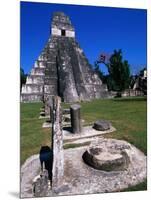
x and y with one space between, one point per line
82 178
107 155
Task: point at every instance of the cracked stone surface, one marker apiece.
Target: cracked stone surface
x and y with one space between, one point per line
29 170
83 179
79 178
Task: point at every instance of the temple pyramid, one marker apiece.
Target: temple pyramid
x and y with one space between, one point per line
62 68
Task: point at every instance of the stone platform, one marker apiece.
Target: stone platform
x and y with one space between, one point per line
29 170
87 132
83 179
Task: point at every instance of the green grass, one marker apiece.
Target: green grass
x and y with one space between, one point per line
33 136
127 115
142 186
74 145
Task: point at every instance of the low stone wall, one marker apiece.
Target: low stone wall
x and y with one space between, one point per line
41 185
131 93
31 98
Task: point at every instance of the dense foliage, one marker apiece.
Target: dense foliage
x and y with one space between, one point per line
118 78
23 77
119 71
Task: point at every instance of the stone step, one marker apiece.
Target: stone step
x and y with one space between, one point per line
35 79
50 89
31 97
37 71
32 88
50 80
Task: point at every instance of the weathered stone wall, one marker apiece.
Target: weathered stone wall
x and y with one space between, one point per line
32 91
131 92
31 97
40 185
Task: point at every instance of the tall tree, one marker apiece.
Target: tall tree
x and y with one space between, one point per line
119 71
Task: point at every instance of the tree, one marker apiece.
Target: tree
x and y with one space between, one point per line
119 72
23 77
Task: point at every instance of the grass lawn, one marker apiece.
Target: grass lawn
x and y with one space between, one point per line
33 136
127 115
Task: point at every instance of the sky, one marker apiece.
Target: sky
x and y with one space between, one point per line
98 30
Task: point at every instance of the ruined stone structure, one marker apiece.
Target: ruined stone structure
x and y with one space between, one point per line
62 69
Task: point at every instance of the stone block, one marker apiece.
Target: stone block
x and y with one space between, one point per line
75 118
107 155
102 125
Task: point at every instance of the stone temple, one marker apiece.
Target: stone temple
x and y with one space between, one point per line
62 68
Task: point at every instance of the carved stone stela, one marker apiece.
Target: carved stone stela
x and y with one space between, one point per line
57 145
62 68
